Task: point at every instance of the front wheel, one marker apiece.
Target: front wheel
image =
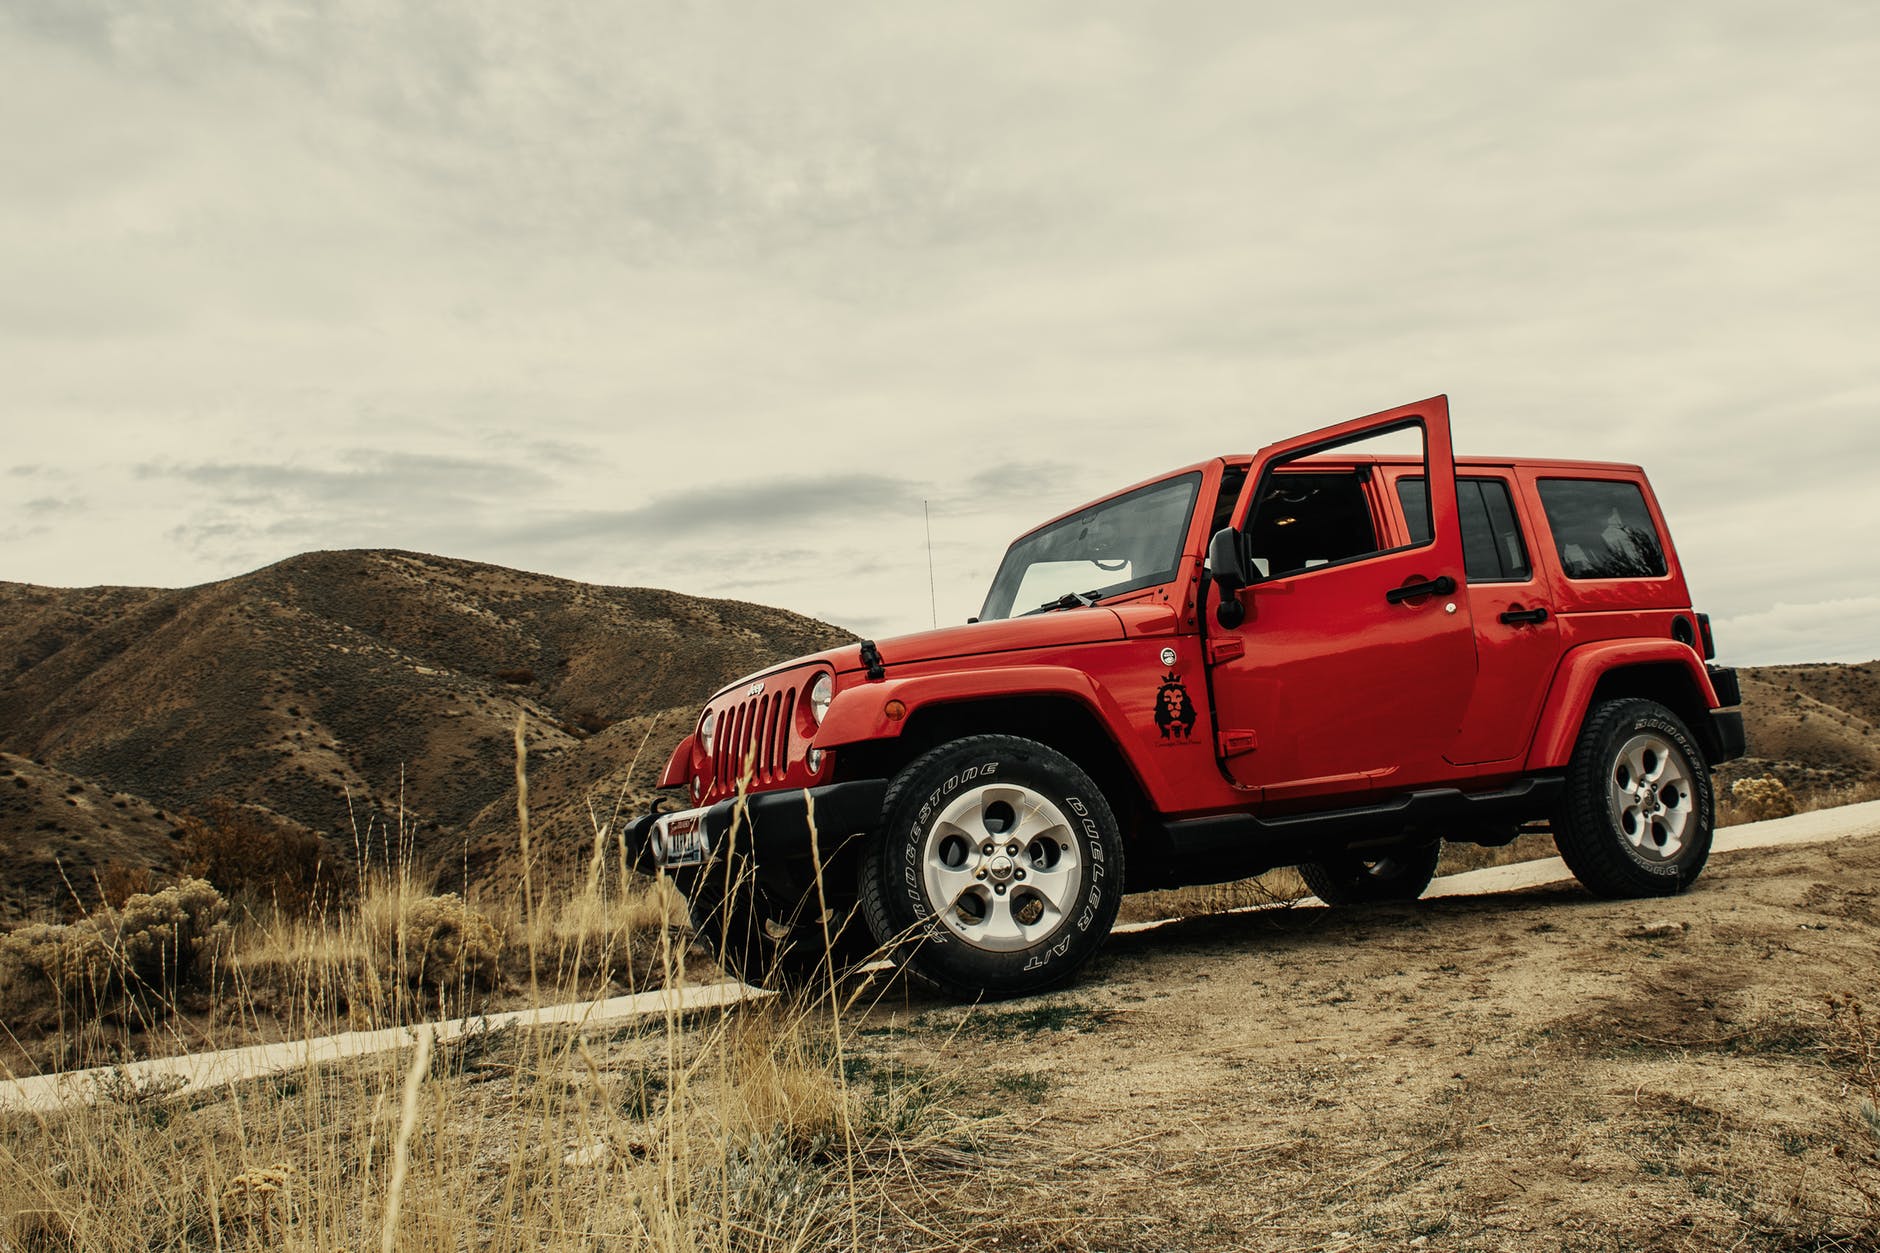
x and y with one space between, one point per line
1399 875
999 869
1638 811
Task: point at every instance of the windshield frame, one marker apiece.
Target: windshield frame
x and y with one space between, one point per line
1197 479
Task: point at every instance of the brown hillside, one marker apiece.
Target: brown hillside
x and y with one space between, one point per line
59 834
1811 726
339 688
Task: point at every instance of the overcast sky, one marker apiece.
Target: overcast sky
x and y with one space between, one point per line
713 297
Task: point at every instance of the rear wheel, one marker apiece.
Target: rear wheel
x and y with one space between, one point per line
1398 875
999 870
1639 810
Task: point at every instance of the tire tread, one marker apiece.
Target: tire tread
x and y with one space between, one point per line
1583 831
873 888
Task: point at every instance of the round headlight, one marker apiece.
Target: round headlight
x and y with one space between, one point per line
705 732
821 692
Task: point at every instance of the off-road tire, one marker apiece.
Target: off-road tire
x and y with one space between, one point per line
1598 840
765 943
984 772
1398 875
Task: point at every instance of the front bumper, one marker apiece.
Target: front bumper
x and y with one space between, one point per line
774 826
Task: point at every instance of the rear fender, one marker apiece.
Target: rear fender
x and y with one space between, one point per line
1579 676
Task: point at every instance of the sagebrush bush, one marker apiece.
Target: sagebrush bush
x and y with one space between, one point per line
146 950
1757 800
164 937
443 942
53 963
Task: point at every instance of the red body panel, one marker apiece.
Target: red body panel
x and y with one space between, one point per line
1341 690
1121 682
678 766
1326 690
1580 672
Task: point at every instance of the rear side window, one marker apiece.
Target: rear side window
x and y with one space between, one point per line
1492 548
1602 529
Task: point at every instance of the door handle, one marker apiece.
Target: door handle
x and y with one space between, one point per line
1517 616
1441 585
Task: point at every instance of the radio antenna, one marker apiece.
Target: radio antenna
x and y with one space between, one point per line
933 598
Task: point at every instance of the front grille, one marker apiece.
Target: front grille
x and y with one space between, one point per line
754 737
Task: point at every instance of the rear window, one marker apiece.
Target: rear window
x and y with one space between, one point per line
1602 529
1492 549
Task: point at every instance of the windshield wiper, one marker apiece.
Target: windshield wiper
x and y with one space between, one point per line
1069 600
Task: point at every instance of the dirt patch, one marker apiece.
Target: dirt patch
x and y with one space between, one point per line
1538 1069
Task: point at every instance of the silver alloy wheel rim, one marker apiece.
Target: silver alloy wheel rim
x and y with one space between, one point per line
1648 796
986 893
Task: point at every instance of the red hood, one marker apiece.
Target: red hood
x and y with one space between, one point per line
1063 628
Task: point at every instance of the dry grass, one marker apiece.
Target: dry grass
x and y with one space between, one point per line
756 1128
393 952
742 1129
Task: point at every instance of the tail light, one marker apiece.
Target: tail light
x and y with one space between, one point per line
1703 637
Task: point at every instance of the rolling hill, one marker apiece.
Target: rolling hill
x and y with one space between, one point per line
340 690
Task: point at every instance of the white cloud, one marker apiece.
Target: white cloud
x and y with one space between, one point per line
1825 630
603 257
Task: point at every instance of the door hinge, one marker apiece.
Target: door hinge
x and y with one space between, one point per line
1225 648
1234 743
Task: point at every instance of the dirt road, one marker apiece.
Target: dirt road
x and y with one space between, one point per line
1532 1069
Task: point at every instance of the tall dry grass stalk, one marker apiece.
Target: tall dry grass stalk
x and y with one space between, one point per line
401 1147
522 836
744 1128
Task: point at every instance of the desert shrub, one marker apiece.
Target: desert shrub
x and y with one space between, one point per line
164 937
1759 799
443 942
46 963
516 678
249 856
144 951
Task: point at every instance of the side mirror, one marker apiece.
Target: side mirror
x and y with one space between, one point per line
1230 569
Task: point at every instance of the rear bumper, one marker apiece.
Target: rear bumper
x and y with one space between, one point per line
776 825
1727 742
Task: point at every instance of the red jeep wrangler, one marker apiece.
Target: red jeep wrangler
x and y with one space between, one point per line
1323 656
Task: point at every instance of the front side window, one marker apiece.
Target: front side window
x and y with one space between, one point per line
1492 548
1310 518
1131 542
1602 529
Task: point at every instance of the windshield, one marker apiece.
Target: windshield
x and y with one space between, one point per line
1132 541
